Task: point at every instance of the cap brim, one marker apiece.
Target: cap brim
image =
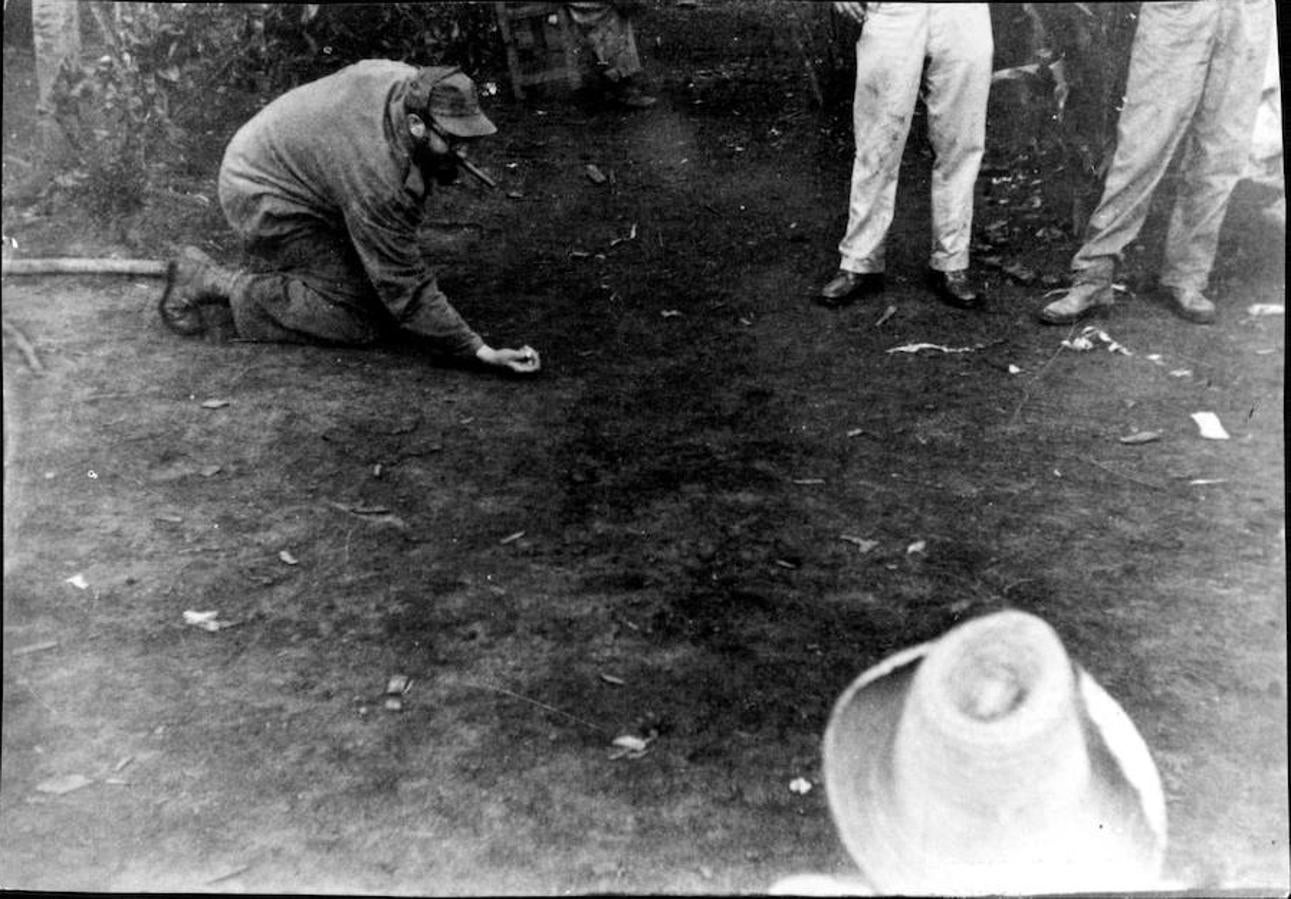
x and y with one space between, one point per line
465 126
859 787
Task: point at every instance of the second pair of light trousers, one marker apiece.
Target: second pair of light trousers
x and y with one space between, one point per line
1196 70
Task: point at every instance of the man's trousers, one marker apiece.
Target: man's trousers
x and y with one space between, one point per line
954 39
1196 70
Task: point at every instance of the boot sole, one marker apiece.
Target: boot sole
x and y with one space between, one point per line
1096 309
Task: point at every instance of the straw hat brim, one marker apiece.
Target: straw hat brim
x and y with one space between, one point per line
1117 842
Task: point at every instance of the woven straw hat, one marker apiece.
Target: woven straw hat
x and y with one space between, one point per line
988 762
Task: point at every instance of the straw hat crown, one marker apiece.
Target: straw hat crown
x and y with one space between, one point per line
988 762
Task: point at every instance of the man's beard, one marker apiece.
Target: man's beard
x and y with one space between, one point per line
441 167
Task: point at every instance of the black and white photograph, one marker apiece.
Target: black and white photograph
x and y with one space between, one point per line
645 447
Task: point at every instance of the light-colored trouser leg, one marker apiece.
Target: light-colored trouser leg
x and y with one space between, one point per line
1169 64
1217 147
609 33
957 85
889 62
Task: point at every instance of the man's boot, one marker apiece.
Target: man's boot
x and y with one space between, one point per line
1078 303
194 281
1189 303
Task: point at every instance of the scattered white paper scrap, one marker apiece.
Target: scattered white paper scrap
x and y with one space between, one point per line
859 542
800 785
918 347
611 679
1181 373
288 558
398 685
215 404
671 313
1266 309
1209 425
1155 357
1202 482
78 581
1085 341
630 747
917 547
1014 370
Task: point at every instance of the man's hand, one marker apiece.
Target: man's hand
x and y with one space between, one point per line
523 361
854 11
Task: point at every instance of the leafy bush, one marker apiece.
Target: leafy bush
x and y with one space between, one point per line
125 114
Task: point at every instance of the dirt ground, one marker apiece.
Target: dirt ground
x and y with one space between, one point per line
646 539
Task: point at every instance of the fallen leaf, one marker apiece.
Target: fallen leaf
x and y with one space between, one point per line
1019 273
807 482
34 647
78 581
1014 370
611 679
215 404
631 743
1141 437
361 510
859 542
671 313
1181 373
855 432
917 347
288 558
167 516
393 704
207 470
917 547
594 174
511 538
1201 482
887 314
785 563
63 784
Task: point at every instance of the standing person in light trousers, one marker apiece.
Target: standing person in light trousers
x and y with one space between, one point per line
1196 70
943 52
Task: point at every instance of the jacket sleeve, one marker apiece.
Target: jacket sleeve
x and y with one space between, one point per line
385 237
